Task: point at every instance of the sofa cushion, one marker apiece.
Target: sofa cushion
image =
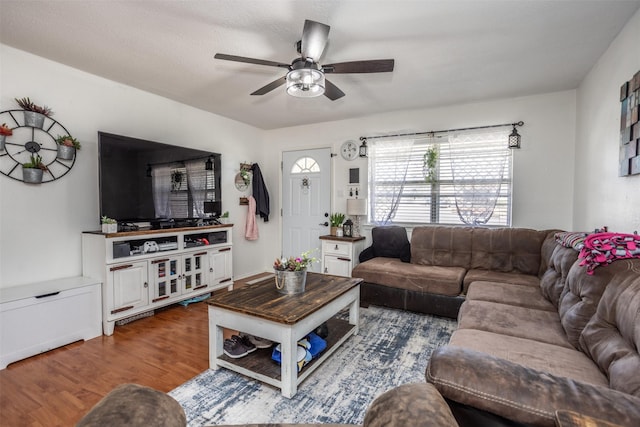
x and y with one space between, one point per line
391 242
581 295
507 250
506 293
394 273
441 246
520 393
515 278
612 336
537 325
561 361
552 281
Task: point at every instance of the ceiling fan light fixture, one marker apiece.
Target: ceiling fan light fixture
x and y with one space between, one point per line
305 82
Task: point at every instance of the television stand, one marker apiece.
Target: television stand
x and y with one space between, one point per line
148 269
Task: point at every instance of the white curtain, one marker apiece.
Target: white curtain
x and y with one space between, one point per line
478 163
161 186
389 164
197 180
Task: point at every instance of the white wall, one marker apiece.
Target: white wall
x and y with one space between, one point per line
41 226
543 167
602 197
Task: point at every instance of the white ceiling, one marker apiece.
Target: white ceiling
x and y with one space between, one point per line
446 52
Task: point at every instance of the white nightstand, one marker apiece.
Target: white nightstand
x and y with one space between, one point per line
340 254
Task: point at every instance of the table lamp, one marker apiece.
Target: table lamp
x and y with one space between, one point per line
355 208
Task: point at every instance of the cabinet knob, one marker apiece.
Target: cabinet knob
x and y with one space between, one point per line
146 285
210 269
336 248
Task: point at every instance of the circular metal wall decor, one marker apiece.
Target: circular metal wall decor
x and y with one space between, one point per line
27 140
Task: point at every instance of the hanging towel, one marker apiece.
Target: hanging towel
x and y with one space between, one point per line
251 227
260 193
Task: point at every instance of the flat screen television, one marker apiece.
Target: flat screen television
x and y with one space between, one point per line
160 184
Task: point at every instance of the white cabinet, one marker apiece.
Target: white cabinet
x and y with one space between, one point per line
221 262
340 254
144 270
38 317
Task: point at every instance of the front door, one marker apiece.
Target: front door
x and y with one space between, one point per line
306 201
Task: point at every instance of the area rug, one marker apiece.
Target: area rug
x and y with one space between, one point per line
392 348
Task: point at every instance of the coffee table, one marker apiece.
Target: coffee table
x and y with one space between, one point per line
258 309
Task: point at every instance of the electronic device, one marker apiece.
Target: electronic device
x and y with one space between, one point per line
150 246
167 246
126 169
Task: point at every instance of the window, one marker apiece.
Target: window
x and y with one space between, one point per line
470 183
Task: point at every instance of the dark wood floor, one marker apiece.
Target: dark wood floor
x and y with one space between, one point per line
58 387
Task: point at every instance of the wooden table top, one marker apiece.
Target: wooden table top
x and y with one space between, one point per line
263 300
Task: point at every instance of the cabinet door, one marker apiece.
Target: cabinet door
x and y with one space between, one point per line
220 266
195 272
338 266
128 286
165 278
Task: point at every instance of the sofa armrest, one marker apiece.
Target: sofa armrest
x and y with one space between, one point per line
523 394
366 254
416 405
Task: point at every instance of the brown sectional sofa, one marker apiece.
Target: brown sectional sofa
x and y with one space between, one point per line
536 333
444 261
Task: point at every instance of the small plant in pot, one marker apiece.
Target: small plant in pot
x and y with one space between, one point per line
67 147
336 219
109 225
34 114
5 131
32 170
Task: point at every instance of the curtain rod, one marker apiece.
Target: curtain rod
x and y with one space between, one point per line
432 133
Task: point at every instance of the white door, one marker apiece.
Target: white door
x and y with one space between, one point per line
306 201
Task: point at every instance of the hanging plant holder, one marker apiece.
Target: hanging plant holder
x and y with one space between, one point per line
32 175
430 165
33 119
66 152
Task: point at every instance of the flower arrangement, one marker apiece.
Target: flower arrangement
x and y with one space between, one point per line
294 264
69 141
5 130
28 105
35 162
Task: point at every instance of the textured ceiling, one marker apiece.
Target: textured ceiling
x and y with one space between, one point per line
446 52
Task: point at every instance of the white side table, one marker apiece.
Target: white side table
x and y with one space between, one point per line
340 254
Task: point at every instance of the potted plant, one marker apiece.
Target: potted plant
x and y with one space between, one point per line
109 225
33 169
224 217
67 146
5 131
33 114
336 219
291 273
430 162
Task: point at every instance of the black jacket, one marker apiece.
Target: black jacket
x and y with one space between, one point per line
260 193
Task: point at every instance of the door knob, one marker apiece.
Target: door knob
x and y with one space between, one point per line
326 224
326 214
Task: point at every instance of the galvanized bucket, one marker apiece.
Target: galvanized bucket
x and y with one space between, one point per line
33 119
32 175
66 152
291 282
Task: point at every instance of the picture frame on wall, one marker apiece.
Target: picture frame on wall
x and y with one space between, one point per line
629 161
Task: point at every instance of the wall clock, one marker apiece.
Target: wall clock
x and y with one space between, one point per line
349 150
29 140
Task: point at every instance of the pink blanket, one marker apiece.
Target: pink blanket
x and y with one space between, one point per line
251 226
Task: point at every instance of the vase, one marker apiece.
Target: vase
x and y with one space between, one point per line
33 119
291 282
32 175
66 152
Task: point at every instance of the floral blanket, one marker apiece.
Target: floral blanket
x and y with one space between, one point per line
604 248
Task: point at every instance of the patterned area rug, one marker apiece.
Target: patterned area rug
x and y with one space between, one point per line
392 348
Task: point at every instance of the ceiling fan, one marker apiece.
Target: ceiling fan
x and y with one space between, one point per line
306 77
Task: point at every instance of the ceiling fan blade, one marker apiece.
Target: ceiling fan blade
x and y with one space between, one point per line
250 60
371 66
314 39
271 86
331 91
